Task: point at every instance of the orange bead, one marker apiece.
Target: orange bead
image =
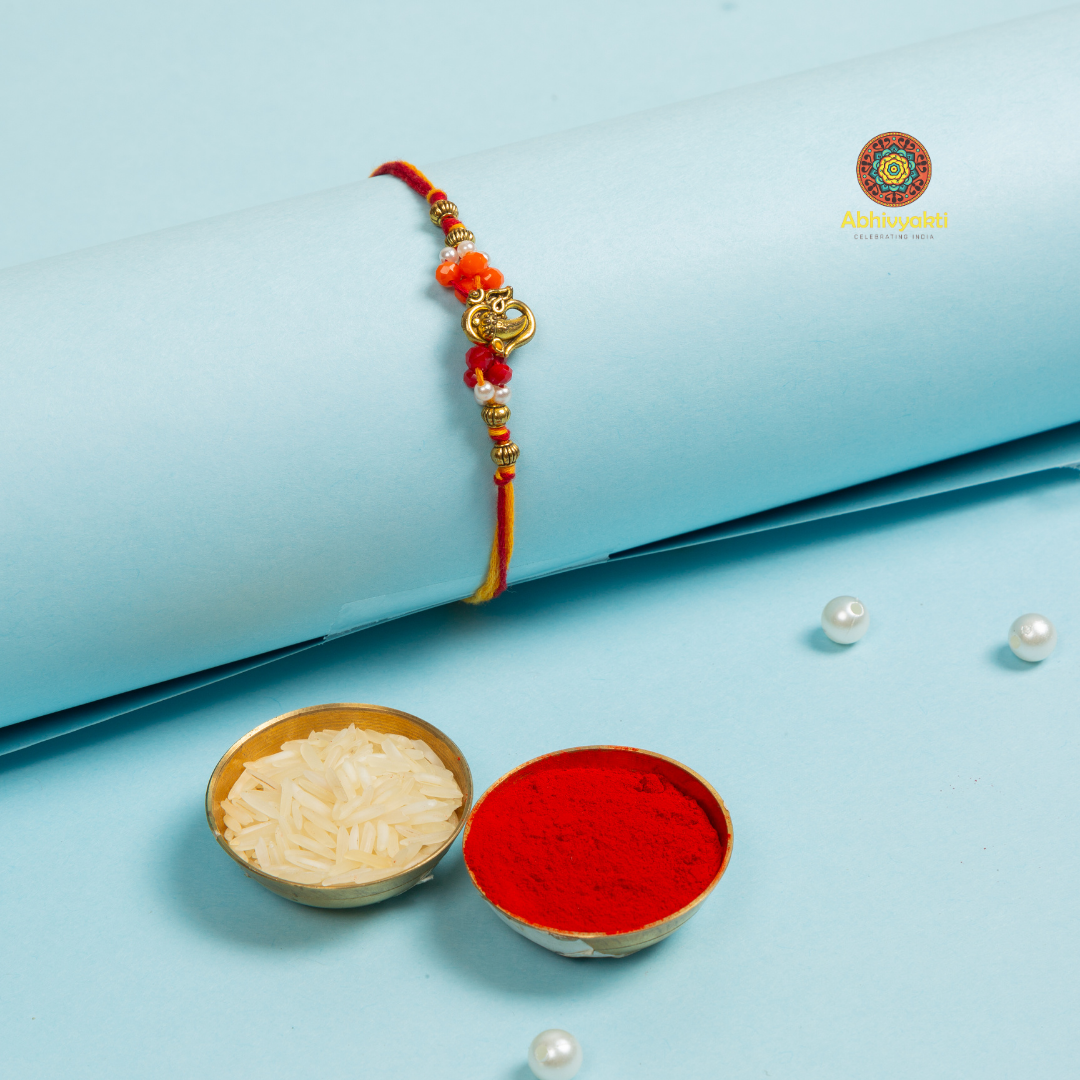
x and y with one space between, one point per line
465 285
447 273
472 262
491 278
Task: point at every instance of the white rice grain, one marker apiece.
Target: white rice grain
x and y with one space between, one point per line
342 807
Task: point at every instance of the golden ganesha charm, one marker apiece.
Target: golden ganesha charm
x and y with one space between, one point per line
485 320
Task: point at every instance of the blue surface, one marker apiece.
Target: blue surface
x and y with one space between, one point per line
902 899
1052 449
252 431
125 117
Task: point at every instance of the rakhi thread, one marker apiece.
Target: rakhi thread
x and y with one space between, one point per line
495 335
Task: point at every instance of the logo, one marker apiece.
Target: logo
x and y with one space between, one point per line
893 169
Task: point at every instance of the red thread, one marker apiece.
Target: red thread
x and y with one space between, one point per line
503 479
593 849
410 174
503 540
448 223
436 195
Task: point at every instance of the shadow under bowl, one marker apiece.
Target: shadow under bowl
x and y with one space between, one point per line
575 943
298 724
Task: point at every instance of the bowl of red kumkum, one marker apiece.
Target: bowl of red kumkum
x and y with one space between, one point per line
598 850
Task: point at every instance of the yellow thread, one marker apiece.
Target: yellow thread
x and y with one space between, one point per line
486 591
491 583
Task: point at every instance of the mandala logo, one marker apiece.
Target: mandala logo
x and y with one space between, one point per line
893 169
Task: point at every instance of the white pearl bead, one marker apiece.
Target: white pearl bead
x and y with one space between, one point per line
502 394
554 1055
448 254
464 247
845 620
1032 637
483 392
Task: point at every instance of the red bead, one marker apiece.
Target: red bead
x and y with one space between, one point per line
473 263
491 278
470 377
447 273
499 373
479 356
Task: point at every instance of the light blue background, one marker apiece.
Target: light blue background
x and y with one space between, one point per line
252 431
902 897
901 900
124 117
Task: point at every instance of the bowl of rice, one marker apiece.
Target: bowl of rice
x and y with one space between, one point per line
340 805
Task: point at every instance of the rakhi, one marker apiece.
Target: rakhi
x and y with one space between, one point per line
495 336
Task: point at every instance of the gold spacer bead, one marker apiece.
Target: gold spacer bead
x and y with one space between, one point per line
457 234
440 208
504 454
495 415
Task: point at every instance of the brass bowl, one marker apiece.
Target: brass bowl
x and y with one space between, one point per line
298 724
574 943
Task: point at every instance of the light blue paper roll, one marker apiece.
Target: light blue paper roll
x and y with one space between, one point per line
252 431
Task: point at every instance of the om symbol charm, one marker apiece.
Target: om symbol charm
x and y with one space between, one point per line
485 320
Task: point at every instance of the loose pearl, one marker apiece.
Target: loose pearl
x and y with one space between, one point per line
1032 637
502 394
448 254
554 1055
483 392
465 246
845 620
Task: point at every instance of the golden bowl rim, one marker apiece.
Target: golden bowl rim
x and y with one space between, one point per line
323 890
596 935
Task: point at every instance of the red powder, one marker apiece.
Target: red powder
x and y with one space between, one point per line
601 850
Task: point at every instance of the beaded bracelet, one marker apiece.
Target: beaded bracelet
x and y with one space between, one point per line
495 336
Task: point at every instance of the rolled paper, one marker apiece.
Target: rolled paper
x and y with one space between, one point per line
229 437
